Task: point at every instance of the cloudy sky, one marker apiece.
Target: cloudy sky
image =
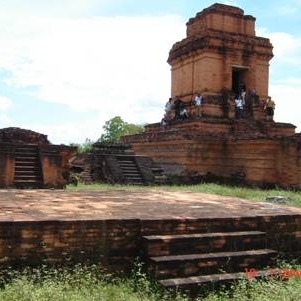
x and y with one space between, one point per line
67 66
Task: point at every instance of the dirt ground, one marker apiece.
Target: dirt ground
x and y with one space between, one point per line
29 205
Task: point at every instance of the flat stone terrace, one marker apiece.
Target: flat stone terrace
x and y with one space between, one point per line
107 227
46 205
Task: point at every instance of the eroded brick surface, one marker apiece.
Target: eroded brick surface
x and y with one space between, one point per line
42 226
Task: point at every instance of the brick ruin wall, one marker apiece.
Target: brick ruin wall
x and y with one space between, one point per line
14 135
53 159
115 244
261 161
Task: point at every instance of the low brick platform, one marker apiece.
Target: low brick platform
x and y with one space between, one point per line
56 226
43 205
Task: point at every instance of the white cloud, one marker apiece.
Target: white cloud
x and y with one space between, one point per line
5 106
54 8
285 79
288 105
288 9
112 64
287 47
230 2
68 132
5 103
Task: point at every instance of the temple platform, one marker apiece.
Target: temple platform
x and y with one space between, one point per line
144 204
108 227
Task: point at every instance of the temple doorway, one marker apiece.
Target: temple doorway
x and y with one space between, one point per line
238 78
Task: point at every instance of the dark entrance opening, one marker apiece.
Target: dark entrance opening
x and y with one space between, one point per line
238 79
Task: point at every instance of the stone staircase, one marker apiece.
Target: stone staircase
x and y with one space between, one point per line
130 171
86 177
27 169
190 261
159 176
118 163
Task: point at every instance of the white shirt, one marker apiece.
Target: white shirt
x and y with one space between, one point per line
238 103
198 100
168 106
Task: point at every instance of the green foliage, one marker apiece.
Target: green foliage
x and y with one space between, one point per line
82 283
116 127
85 147
265 289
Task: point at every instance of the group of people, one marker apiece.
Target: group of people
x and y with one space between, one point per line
240 101
241 106
176 109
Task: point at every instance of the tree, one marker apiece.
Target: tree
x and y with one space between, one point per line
85 147
116 127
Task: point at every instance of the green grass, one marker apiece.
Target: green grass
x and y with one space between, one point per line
91 284
256 194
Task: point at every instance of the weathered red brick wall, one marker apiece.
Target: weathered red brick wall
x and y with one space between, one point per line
219 39
14 135
6 165
223 18
261 160
54 161
55 164
112 243
116 243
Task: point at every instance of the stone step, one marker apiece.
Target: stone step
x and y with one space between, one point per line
25 148
27 167
28 181
27 170
28 184
26 153
176 266
127 159
34 169
210 281
159 245
35 177
26 163
132 174
129 168
31 174
130 162
136 176
25 158
127 165
203 225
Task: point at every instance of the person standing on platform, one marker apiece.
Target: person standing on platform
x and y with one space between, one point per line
178 105
269 109
198 99
168 109
238 106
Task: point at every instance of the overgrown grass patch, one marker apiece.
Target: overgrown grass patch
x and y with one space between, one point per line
293 198
92 284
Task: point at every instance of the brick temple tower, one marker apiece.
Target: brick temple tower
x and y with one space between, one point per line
221 50
219 55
